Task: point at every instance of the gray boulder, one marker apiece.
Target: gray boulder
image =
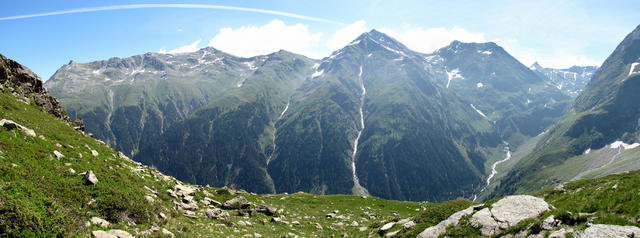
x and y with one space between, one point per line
216 213
514 209
601 230
238 202
90 178
484 221
102 234
10 125
267 210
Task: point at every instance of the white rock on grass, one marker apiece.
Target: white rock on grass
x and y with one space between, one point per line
94 153
10 125
601 230
102 234
387 226
99 221
58 155
90 178
514 209
485 222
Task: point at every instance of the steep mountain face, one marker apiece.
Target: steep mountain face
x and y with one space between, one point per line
373 118
124 101
571 81
499 88
608 110
229 141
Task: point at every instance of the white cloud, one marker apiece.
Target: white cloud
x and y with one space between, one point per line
250 41
429 40
550 58
345 35
183 49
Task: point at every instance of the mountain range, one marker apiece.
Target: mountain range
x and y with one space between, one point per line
372 118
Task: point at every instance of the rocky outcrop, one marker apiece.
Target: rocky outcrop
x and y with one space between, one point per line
500 216
453 220
600 230
508 212
238 202
23 83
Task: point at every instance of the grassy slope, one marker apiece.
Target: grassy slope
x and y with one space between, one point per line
40 197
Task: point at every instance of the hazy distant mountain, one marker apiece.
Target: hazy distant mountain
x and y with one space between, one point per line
571 81
374 117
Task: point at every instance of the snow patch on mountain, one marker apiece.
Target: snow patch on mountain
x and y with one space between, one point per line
485 52
479 85
478 111
453 74
317 73
633 66
618 144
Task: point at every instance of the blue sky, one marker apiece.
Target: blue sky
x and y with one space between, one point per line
555 33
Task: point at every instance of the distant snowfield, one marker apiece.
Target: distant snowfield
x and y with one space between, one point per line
479 85
633 65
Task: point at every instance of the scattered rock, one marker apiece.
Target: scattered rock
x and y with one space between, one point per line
453 220
94 153
78 124
558 234
354 223
58 155
149 199
120 233
246 213
601 230
238 202
184 190
392 234
166 232
408 225
549 223
187 199
90 178
162 216
102 234
99 221
387 226
216 213
318 226
297 223
267 210
10 125
71 171
279 220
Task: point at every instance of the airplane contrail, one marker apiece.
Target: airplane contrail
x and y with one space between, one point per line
198 6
